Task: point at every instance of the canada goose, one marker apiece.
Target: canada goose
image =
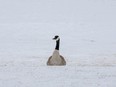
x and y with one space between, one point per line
56 58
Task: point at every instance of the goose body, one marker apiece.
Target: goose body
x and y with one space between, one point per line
56 58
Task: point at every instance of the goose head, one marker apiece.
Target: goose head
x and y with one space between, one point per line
56 38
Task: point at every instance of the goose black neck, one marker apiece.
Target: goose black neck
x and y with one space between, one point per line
57 44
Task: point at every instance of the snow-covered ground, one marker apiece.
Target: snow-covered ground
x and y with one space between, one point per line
87 29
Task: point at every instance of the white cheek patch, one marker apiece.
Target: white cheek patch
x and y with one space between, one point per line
57 39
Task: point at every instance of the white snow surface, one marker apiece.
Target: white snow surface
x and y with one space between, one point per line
87 29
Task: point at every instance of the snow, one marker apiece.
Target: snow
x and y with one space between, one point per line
87 32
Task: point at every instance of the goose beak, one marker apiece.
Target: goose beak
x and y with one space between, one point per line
53 38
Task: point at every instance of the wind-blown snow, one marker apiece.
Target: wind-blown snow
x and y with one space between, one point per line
87 29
